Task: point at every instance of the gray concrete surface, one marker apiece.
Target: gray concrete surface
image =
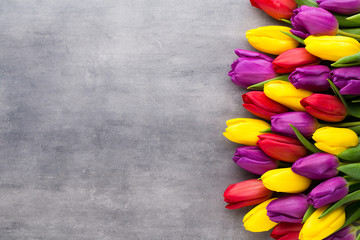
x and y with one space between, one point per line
111 118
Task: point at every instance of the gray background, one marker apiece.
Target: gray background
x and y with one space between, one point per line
112 114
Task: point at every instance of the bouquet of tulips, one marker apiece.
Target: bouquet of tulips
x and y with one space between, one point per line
306 149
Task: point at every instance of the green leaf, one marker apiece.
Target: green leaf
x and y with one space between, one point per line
260 85
285 20
336 91
304 141
308 213
344 22
352 214
300 40
266 130
307 3
349 198
351 154
354 18
348 61
356 101
353 170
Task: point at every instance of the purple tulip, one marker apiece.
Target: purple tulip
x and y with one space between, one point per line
313 20
303 121
290 208
251 68
347 80
347 7
254 160
317 166
329 191
312 78
344 234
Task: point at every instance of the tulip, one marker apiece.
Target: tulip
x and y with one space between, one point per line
271 40
286 94
344 234
286 231
290 208
335 140
325 107
331 47
246 193
245 130
313 21
260 105
317 166
285 180
317 229
282 148
347 7
288 61
251 68
254 160
303 121
329 191
347 80
276 8
257 220
312 78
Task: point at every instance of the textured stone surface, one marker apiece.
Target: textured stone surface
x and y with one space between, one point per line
111 118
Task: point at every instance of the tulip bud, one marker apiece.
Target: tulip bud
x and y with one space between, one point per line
282 148
286 231
254 160
323 46
285 180
290 208
246 193
347 80
276 8
317 166
344 234
335 140
286 94
251 68
313 21
315 228
257 220
325 107
348 7
260 105
312 78
271 40
291 59
245 130
329 191
303 121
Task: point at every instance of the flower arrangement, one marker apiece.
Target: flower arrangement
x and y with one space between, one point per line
306 148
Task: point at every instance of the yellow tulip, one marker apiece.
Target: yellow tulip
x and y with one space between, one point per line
335 140
257 219
285 180
245 130
318 229
270 40
331 47
285 93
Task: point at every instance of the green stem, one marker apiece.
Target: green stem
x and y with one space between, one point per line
300 40
348 34
285 20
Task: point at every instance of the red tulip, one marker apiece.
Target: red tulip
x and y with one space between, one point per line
291 59
260 105
286 231
246 193
276 8
282 148
325 107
